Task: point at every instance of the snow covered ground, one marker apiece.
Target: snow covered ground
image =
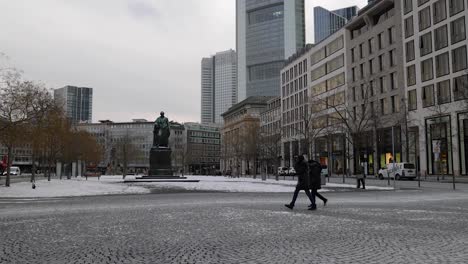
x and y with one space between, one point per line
114 185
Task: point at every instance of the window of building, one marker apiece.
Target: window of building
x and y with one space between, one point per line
421 2
443 92
353 58
407 6
393 80
409 28
395 103
442 64
319 88
440 11
427 72
361 70
361 51
383 106
354 93
428 95
300 68
391 35
371 45
335 46
336 81
372 88
335 64
456 6
353 74
412 100
392 56
460 87
425 44
411 75
381 63
459 61
382 85
441 37
319 72
265 71
424 18
295 71
266 14
363 92
409 48
305 80
371 66
304 65
379 40
317 56
457 30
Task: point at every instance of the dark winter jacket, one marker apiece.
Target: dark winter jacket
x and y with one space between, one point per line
301 172
315 179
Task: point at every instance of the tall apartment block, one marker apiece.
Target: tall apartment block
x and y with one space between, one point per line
77 103
267 32
328 22
436 80
218 85
375 85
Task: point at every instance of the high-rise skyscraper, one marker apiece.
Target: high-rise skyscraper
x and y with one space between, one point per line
219 85
328 22
77 103
268 32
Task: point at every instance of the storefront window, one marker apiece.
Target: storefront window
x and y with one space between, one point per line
439 146
463 139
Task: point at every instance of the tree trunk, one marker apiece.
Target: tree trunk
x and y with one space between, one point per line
48 170
33 169
9 162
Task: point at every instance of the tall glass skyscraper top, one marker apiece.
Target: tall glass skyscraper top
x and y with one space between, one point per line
268 32
77 103
328 22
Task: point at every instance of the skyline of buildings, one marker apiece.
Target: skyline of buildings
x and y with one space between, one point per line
267 32
77 103
327 22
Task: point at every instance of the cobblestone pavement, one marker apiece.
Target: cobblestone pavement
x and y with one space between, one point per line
407 226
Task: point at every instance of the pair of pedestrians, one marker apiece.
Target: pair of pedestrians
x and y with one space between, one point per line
308 179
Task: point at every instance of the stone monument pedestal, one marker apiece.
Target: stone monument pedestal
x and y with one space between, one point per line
160 162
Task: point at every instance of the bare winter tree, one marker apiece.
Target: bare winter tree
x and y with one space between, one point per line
126 152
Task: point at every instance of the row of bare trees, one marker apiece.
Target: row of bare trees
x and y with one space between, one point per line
31 119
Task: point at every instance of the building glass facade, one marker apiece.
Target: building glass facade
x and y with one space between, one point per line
77 103
267 33
328 22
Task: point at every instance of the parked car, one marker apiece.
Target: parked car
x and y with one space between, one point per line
283 171
292 172
399 170
13 171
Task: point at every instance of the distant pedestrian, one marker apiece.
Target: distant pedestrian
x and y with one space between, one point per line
315 182
302 181
361 179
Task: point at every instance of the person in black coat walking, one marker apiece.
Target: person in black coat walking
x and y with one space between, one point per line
315 183
302 181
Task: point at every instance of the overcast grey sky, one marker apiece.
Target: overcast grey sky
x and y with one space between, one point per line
140 56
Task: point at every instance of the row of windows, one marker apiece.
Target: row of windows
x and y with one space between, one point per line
295 86
360 50
327 51
293 72
295 100
442 66
439 10
328 85
443 90
381 60
327 68
368 89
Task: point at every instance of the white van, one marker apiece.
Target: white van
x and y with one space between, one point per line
13 171
401 170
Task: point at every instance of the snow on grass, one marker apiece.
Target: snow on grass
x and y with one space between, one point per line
224 184
73 187
114 185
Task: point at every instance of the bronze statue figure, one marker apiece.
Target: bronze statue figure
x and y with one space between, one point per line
161 132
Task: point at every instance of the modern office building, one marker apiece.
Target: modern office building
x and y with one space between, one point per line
77 103
267 32
219 85
328 22
435 63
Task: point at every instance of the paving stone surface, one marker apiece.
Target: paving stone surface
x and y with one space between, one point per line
407 226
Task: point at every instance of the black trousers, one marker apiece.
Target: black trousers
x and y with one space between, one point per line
296 193
315 193
359 181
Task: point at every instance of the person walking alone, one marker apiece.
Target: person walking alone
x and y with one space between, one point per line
315 183
361 178
302 181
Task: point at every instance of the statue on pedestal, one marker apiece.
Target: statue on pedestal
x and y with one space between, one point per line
161 132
